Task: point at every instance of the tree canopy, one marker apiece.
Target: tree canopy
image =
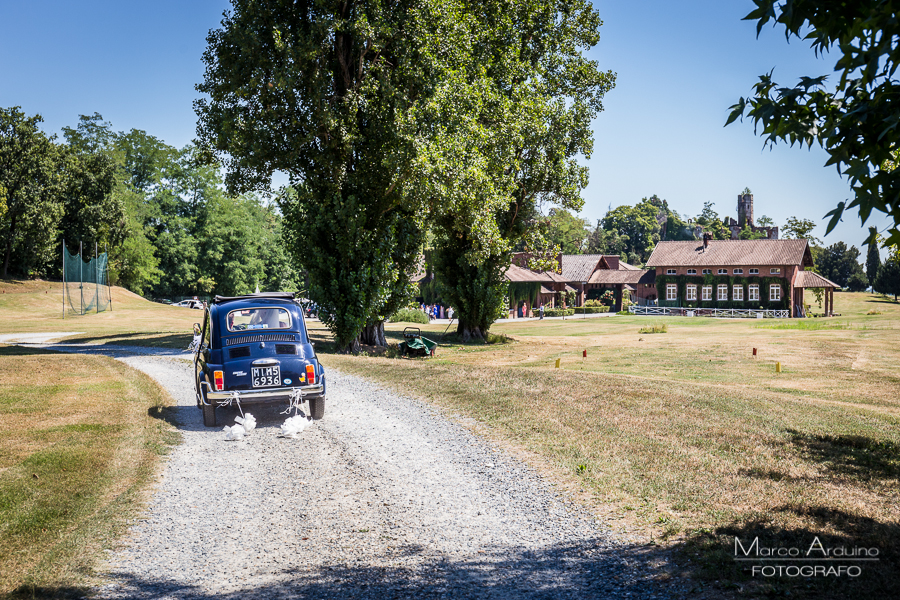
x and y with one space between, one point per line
853 117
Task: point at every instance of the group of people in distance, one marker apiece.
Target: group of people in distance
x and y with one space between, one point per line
437 311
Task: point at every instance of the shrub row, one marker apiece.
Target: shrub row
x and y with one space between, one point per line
409 315
559 312
580 310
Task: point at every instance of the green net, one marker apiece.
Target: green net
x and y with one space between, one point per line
86 288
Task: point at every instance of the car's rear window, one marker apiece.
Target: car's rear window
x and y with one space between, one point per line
249 319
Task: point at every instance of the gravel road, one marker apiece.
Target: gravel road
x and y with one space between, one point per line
384 498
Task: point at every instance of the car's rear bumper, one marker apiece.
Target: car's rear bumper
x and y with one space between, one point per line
263 395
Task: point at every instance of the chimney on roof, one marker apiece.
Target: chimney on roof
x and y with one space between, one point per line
706 238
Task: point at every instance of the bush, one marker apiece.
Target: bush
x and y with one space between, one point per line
661 328
593 303
590 309
559 312
409 315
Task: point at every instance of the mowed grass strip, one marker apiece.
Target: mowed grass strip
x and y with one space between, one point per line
78 442
691 466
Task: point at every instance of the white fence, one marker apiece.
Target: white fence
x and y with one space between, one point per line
747 313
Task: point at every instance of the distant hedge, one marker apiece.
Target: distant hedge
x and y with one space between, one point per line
409 315
581 310
559 312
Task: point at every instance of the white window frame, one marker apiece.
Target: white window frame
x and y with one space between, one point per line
692 271
753 292
723 271
775 271
737 293
774 292
706 293
707 271
754 271
691 292
722 292
670 271
738 271
671 291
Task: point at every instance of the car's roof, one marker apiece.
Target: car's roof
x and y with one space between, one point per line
289 296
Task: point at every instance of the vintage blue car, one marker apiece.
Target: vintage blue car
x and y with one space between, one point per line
255 349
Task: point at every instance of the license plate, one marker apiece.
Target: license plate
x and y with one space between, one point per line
266 376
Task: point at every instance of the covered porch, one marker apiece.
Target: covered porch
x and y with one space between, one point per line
809 280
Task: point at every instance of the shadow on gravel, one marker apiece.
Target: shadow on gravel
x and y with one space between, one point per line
585 570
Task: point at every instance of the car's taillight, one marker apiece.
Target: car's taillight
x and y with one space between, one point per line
219 377
310 374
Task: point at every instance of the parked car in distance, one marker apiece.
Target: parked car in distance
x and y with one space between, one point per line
255 349
189 304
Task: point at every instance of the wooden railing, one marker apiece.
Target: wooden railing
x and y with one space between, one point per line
746 313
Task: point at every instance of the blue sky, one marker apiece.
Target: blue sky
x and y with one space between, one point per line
680 65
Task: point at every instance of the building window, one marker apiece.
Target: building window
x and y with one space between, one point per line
692 271
691 292
737 293
754 292
707 292
723 293
707 271
671 291
723 271
738 271
775 271
670 271
774 292
754 271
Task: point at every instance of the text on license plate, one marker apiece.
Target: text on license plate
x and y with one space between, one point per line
266 376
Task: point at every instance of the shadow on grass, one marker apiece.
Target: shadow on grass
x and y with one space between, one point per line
586 568
175 341
710 555
25 351
850 455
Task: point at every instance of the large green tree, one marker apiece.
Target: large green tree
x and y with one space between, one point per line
873 257
567 231
335 95
840 263
32 175
854 116
639 223
712 223
516 120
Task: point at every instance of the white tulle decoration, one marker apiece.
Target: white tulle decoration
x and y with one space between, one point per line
235 433
248 422
294 425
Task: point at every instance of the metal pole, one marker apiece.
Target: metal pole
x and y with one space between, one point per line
81 273
64 278
96 280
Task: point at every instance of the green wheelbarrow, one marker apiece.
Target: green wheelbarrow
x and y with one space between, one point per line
414 344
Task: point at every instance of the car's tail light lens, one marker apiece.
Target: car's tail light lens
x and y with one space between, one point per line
310 374
219 378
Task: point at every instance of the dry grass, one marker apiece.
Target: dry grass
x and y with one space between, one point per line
78 443
688 438
36 306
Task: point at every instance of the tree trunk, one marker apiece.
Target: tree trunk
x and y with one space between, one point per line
12 229
470 333
373 335
351 348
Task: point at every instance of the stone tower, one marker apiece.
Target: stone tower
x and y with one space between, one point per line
745 210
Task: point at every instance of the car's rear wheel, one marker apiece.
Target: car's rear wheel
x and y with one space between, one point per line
317 407
209 415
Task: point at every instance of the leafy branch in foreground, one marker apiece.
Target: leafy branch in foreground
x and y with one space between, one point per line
856 122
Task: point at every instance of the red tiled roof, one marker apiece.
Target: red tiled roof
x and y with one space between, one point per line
518 274
578 267
810 279
731 252
624 277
